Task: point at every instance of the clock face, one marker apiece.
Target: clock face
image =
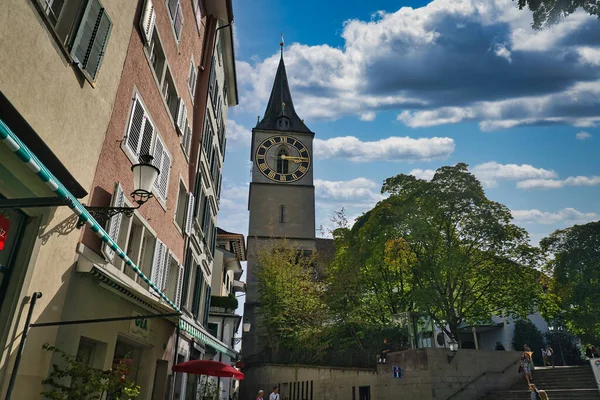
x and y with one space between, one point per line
282 159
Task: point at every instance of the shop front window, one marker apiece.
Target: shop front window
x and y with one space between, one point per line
11 225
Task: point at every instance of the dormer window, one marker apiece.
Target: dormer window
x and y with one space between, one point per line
283 123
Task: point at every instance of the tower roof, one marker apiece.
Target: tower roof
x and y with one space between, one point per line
281 104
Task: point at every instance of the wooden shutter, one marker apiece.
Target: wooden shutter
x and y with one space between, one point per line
136 124
148 20
162 160
158 265
167 271
197 291
192 78
179 286
91 39
181 116
189 214
207 305
113 227
147 136
186 140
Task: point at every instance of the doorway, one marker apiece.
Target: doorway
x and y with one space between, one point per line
159 388
126 359
364 393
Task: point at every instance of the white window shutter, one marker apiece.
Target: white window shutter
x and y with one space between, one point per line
166 271
136 124
114 224
162 161
158 263
189 216
179 286
148 21
181 116
187 140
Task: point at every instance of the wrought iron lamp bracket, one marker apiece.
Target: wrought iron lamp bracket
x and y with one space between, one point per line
103 214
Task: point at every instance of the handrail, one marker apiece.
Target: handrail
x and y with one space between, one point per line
483 374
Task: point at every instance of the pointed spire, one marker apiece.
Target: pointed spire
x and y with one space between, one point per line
280 104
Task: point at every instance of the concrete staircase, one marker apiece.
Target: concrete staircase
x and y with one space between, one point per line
560 383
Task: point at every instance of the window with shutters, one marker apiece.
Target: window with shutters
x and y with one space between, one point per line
173 279
141 138
176 16
198 14
82 28
186 141
181 206
207 140
225 88
156 56
212 80
170 96
192 79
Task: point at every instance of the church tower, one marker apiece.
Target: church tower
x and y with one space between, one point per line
282 195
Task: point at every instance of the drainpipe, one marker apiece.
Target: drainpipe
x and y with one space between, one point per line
13 375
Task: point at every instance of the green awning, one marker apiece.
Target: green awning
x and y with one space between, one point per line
206 338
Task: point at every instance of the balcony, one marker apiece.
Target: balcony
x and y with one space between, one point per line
223 304
239 287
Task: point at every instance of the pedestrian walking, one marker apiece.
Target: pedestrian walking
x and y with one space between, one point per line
537 394
526 367
550 355
260 395
545 357
527 349
275 394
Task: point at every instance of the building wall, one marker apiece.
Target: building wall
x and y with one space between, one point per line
138 77
504 335
71 117
425 374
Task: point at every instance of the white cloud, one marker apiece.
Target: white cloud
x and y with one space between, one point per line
559 183
490 172
233 210
367 116
392 148
355 191
426 174
583 135
420 61
556 108
238 134
564 216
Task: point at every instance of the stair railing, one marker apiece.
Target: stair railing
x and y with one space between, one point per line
482 375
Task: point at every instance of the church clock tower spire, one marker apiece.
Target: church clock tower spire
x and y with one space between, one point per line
282 196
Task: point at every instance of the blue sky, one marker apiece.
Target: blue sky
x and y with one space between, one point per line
408 87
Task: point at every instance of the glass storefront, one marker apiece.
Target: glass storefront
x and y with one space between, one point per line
11 228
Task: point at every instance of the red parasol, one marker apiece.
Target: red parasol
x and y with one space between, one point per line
210 368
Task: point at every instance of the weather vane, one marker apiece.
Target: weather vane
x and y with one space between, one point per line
281 44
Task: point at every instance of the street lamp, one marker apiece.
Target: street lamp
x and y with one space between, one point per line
246 327
144 177
453 349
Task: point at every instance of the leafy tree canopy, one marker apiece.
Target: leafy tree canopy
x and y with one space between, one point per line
549 12
574 267
438 246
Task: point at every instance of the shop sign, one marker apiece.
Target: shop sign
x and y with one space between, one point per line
140 327
4 228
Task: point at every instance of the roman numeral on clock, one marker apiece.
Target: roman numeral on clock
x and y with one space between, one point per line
271 175
302 168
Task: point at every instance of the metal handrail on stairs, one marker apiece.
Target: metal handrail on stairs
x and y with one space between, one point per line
483 374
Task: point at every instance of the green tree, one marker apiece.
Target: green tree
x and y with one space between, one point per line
549 12
291 299
527 333
467 261
74 380
574 267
